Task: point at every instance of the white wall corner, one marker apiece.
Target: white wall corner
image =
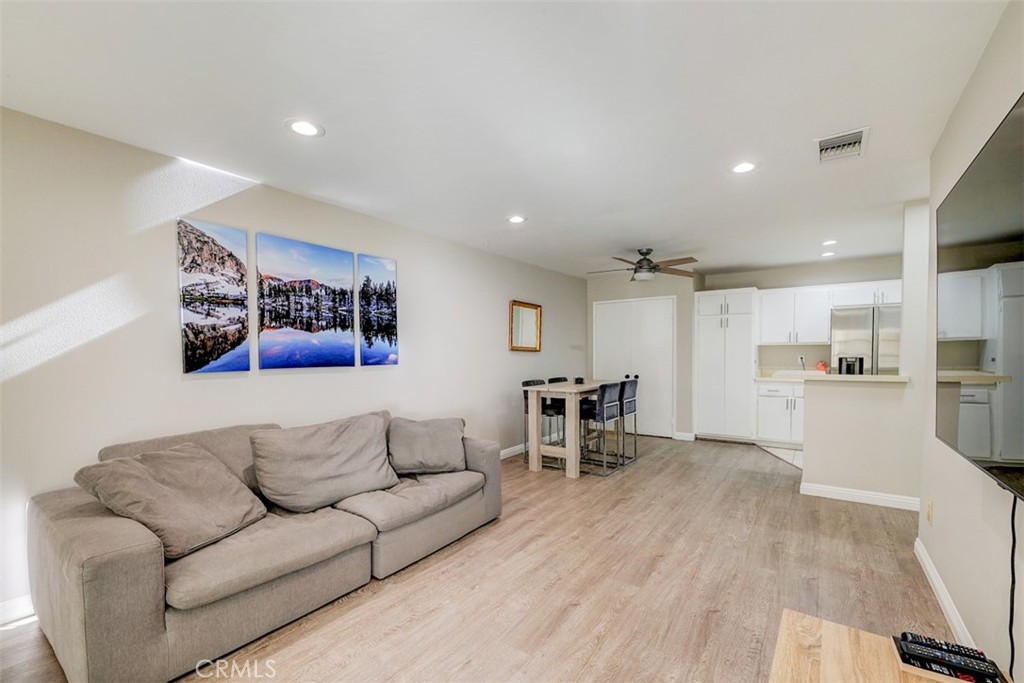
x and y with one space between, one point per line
949 610
684 436
888 500
16 608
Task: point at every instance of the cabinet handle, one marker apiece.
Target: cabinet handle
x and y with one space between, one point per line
727 323
796 336
721 309
727 308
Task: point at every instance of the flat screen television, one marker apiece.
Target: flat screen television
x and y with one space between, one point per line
979 407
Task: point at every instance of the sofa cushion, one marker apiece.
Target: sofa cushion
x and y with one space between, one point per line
183 494
306 468
277 545
230 445
413 498
427 446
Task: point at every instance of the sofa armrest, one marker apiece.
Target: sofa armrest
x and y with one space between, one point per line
97 583
484 457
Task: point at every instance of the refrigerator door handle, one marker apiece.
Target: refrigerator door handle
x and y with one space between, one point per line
875 325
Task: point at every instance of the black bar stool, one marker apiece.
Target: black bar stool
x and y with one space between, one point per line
603 411
627 406
557 406
545 411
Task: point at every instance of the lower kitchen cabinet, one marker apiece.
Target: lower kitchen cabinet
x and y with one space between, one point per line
780 412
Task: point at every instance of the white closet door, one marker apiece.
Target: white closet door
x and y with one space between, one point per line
613 339
637 337
653 360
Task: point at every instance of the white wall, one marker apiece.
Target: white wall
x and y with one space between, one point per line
864 436
618 286
824 272
969 540
91 339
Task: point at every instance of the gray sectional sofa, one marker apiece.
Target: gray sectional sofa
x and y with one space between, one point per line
116 609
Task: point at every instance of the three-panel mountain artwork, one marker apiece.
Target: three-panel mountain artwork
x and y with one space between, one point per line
316 306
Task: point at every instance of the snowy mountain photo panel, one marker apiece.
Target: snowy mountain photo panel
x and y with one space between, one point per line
378 310
214 299
305 303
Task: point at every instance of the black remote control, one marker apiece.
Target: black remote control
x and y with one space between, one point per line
966 663
945 646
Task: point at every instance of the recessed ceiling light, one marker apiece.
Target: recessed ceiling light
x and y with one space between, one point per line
743 167
516 219
304 128
828 253
828 243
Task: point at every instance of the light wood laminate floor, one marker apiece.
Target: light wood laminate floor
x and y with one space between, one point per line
676 569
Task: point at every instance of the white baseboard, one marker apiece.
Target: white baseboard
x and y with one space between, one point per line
513 451
949 610
888 500
684 436
15 609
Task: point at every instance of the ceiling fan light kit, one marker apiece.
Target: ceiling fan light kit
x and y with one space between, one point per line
646 269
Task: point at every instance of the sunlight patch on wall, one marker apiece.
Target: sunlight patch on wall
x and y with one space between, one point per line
72 321
178 188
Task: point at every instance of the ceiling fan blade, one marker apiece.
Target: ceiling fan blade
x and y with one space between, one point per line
676 261
613 270
632 263
673 271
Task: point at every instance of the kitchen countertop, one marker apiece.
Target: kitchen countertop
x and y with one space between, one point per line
890 379
972 377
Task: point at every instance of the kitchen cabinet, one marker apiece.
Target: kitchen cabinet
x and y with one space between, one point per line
960 304
724 357
799 315
780 412
867 293
725 302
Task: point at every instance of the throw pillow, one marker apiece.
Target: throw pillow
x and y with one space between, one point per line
427 446
307 468
183 494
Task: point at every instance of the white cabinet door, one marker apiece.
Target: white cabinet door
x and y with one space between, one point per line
773 418
812 316
857 294
709 303
738 303
739 379
777 317
709 401
797 420
960 304
890 292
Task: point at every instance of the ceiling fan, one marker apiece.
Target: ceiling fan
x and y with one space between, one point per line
646 269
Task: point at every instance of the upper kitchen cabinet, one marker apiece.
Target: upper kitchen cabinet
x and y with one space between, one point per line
867 293
739 302
961 300
799 315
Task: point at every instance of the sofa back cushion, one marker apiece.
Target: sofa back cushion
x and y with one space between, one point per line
230 445
306 468
183 494
427 446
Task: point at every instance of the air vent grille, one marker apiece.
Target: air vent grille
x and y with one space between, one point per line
843 146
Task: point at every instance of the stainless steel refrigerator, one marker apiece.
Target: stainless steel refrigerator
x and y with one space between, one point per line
869 332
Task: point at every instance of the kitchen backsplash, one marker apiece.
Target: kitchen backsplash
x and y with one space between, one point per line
787 357
959 355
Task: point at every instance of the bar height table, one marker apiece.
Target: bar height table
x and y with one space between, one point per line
572 393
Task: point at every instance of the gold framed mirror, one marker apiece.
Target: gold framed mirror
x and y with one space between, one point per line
523 326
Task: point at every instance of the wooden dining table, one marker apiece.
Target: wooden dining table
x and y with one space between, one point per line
572 393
